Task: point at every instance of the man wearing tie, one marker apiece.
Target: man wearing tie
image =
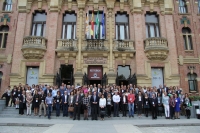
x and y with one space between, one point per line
77 105
65 104
160 90
94 100
154 103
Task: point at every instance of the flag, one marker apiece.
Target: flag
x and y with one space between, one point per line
103 25
87 25
92 24
97 25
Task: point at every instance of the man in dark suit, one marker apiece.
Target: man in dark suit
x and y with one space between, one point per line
48 90
99 89
159 90
65 104
94 100
178 92
166 89
77 105
154 103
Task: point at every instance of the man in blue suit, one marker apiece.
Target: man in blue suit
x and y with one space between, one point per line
65 104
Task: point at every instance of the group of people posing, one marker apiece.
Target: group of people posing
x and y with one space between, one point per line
94 101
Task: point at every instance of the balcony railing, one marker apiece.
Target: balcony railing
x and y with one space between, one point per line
34 47
95 44
67 44
124 45
156 48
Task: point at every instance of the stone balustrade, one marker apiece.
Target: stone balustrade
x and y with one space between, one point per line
34 47
95 44
156 48
67 45
124 45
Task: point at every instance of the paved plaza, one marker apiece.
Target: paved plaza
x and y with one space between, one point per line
26 125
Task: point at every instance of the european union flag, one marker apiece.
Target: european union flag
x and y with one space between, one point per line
103 25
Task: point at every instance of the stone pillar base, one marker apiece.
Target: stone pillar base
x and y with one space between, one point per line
143 80
47 79
111 77
78 78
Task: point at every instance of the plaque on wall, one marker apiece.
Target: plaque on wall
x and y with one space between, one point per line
95 72
95 60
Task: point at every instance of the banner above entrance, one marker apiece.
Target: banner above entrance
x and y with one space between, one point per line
95 73
95 60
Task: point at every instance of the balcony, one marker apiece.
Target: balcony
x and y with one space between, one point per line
95 45
34 47
124 45
68 46
156 48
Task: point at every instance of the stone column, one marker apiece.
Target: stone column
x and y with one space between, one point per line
111 73
78 74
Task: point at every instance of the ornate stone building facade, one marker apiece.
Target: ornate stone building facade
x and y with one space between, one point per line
142 41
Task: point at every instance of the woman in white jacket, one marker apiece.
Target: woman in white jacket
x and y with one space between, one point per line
102 105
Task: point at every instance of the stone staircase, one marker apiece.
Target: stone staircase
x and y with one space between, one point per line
2 104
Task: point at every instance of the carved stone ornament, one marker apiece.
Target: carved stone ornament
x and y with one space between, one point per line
156 48
34 47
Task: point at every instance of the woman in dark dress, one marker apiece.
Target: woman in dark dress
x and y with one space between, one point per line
160 105
58 101
139 103
146 104
36 102
177 106
22 102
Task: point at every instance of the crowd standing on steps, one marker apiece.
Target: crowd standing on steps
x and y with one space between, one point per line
96 101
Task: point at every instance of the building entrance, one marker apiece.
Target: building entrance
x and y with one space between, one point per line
92 82
66 72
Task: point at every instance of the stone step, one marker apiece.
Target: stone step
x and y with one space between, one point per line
2 101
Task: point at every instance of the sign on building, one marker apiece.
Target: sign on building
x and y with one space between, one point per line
157 77
32 75
95 73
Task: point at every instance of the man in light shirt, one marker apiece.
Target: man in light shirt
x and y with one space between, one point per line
116 100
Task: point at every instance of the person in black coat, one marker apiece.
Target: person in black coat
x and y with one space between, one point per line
154 104
94 100
58 101
48 90
77 100
139 103
65 104
22 102
124 104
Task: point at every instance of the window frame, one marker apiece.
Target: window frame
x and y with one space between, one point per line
187 38
182 7
125 24
4 37
147 24
6 4
194 82
199 6
36 23
73 23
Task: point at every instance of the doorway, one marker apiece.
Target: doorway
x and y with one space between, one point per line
67 74
123 82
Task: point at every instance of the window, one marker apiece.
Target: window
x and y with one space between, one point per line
152 26
100 36
187 38
121 26
7 5
192 82
69 26
3 36
39 24
198 6
182 6
1 74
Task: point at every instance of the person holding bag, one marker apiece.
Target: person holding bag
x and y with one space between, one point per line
102 105
86 102
70 102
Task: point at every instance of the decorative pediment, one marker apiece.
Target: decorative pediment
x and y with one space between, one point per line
54 5
185 21
110 3
5 19
81 3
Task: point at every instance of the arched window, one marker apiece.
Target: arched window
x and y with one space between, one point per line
192 82
1 74
3 36
182 6
187 37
